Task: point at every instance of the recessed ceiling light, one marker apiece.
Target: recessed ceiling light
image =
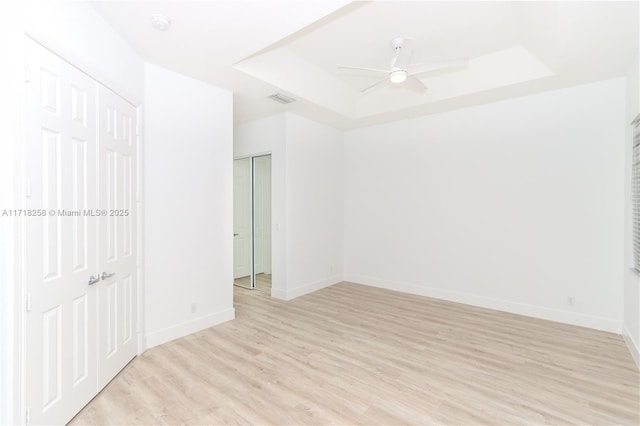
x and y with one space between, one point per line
160 22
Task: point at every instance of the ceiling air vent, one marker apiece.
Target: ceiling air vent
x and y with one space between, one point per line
280 98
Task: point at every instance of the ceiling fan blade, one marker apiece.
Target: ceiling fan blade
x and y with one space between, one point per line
420 69
363 69
366 89
414 83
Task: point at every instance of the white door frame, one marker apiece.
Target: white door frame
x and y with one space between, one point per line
19 293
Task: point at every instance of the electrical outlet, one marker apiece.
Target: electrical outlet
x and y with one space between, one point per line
194 307
571 301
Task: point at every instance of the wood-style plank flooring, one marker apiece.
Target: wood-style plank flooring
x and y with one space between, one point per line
351 354
263 282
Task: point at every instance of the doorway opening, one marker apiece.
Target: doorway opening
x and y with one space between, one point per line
252 222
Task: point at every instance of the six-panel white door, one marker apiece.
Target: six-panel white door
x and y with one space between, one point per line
117 300
60 250
78 335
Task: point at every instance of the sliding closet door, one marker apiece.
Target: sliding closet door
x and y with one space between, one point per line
60 244
252 222
242 258
262 222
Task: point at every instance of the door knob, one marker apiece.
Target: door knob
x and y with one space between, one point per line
106 275
235 235
93 280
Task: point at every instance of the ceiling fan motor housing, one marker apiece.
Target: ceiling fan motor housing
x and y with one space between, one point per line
397 42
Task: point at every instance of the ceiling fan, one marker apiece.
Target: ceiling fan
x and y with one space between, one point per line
401 72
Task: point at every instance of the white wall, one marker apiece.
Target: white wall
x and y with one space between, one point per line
76 31
631 330
314 206
307 201
515 205
188 205
11 79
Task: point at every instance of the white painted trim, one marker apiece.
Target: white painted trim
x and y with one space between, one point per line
634 349
304 289
534 311
278 294
20 244
260 154
140 231
188 327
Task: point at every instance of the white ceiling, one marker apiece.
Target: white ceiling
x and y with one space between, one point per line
257 48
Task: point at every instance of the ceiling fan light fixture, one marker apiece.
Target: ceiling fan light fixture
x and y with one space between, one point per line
398 76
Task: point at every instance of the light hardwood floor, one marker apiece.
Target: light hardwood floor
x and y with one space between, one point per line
263 282
351 354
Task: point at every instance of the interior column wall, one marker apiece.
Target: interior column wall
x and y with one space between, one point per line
188 205
315 200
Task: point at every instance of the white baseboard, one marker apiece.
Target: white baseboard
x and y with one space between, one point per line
188 327
632 345
278 294
304 289
541 312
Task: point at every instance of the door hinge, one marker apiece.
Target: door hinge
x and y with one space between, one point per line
27 73
28 302
27 417
27 189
